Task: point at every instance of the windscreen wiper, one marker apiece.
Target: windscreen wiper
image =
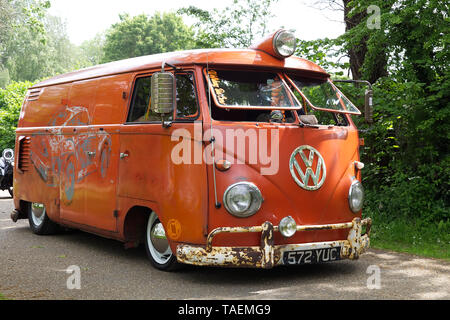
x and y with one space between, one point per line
307 125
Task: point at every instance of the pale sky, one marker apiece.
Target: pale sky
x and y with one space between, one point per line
85 18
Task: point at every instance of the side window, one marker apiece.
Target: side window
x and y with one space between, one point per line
140 109
187 106
140 101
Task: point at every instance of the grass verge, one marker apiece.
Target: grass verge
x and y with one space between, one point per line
423 239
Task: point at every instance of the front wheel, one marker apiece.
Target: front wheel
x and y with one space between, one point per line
157 246
39 222
11 193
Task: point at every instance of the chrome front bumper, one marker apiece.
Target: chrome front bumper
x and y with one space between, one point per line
268 255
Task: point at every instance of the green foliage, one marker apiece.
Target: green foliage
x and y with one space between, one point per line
23 19
4 77
92 50
55 56
324 52
412 236
6 18
142 35
33 44
236 26
407 171
413 37
11 99
406 152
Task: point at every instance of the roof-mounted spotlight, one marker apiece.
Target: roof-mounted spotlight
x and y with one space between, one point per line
281 44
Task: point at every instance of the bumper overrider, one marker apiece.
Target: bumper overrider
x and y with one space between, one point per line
268 255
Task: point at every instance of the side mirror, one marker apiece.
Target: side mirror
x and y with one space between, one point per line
368 110
163 93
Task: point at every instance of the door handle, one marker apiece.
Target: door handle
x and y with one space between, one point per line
124 155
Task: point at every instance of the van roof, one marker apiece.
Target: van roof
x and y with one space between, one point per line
213 57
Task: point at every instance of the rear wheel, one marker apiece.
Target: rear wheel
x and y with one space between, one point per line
39 221
157 245
10 190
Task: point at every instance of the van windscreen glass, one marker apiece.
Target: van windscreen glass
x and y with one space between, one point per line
324 95
250 90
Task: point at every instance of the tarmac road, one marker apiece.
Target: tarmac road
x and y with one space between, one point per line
34 267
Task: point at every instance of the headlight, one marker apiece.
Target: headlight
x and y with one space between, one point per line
356 196
242 199
284 44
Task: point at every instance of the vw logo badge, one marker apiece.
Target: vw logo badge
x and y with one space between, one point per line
310 172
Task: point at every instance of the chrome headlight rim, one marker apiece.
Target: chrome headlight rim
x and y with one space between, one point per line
256 202
355 184
277 46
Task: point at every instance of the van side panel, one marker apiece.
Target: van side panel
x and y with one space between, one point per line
40 181
74 146
101 186
41 110
111 100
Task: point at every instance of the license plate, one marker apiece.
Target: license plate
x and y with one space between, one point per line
312 256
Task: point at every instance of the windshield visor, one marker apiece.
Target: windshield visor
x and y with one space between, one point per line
323 95
250 90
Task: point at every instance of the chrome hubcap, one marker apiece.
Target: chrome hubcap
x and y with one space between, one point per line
157 241
37 213
158 238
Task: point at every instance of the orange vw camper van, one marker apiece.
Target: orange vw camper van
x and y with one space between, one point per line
244 158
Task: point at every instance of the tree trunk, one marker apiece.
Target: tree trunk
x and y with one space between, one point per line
358 53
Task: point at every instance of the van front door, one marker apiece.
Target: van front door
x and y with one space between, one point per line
153 170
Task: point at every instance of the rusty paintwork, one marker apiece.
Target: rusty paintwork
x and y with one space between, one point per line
267 255
275 228
79 114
